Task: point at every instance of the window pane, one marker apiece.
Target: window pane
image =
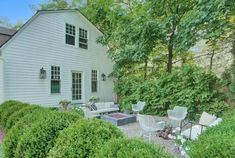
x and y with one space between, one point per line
55 86
83 41
70 40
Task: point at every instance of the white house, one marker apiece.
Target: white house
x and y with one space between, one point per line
55 56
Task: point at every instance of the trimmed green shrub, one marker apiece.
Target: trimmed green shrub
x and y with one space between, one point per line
4 107
188 86
12 137
40 137
131 148
217 141
84 138
15 117
11 110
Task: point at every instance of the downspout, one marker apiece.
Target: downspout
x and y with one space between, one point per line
2 96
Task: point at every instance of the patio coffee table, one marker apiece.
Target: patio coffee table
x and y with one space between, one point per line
119 119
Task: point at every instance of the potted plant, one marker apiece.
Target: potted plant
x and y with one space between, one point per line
94 99
64 104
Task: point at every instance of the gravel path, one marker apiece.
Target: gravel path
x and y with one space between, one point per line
134 130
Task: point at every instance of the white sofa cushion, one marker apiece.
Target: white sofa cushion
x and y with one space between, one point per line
104 105
105 110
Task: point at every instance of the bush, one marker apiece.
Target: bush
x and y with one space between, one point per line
15 117
40 137
9 110
131 148
12 137
83 139
217 141
187 86
4 107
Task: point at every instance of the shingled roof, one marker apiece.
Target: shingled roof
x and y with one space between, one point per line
5 34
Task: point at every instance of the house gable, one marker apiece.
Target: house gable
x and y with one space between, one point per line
40 43
11 35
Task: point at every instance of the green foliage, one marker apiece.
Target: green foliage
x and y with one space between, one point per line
126 103
188 86
83 139
14 134
217 141
1 151
40 137
226 77
4 106
15 117
131 148
8 108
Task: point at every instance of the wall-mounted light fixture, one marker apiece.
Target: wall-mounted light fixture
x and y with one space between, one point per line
43 73
103 76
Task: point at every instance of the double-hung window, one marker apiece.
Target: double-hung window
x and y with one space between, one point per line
94 81
83 40
55 79
70 34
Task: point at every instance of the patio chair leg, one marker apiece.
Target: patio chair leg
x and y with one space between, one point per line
180 126
150 135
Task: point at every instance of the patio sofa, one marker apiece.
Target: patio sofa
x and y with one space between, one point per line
105 107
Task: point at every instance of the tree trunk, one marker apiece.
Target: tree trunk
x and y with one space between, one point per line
211 59
170 58
145 68
170 48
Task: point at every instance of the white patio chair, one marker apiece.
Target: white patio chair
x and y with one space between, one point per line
88 113
206 120
136 108
149 125
178 114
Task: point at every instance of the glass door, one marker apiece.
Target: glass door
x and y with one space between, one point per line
76 86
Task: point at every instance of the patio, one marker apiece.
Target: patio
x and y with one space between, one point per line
134 130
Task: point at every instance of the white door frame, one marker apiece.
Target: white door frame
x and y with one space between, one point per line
82 87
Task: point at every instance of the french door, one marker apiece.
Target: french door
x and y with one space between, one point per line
76 86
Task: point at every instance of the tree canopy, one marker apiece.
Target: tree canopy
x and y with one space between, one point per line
145 36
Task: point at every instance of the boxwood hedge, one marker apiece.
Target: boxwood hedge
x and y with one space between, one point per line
4 107
16 116
83 139
131 148
10 109
217 141
13 135
37 140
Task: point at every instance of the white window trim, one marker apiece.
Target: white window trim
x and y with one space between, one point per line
79 37
82 100
75 36
60 81
98 81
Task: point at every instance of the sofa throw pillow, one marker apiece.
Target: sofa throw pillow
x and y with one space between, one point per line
93 107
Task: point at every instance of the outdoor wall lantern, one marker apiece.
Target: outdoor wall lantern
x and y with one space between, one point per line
43 73
103 77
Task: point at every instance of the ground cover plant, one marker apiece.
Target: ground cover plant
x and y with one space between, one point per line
125 148
217 141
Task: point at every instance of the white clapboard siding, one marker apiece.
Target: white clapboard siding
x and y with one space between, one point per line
42 44
1 80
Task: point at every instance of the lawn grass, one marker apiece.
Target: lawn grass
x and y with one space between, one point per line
1 152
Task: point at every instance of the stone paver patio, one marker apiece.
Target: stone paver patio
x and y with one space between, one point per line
134 130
